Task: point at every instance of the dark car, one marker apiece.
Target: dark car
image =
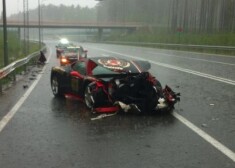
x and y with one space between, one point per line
108 84
61 47
71 54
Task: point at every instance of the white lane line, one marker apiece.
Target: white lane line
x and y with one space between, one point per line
5 120
197 59
105 55
224 80
219 146
208 76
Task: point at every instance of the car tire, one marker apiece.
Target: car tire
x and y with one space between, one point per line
88 98
151 101
57 90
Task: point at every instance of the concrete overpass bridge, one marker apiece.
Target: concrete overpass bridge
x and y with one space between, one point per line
99 26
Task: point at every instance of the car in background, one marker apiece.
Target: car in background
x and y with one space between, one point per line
71 54
108 84
61 46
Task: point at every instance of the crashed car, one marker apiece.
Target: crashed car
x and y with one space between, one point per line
71 54
108 84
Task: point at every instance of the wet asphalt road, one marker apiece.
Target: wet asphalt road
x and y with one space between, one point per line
59 133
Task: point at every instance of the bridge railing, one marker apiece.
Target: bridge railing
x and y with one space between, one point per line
48 23
9 69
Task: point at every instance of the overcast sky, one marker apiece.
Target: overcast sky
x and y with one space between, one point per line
14 6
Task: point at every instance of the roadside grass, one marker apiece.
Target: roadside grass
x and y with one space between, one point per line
214 39
15 52
15 48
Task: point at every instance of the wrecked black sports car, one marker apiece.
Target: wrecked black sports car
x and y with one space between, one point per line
108 84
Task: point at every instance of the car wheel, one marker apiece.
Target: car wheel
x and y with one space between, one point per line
151 100
55 87
88 97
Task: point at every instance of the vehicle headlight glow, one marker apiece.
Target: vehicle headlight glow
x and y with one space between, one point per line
64 60
64 41
117 81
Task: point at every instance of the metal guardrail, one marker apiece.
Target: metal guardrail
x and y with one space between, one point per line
175 45
11 67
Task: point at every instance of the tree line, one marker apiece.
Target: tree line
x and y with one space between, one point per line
201 16
59 13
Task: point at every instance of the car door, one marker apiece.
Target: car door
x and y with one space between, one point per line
77 77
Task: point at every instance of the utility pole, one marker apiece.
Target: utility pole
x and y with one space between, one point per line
26 28
39 23
5 42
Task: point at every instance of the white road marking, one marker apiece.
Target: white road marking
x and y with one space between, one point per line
208 76
105 55
226 151
219 146
5 120
224 80
198 59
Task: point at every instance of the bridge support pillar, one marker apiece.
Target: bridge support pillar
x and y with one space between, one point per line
100 33
18 32
131 30
19 35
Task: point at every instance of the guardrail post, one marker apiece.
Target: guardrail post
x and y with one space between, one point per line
1 91
14 76
25 68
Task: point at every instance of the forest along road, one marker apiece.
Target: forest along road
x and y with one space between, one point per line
42 131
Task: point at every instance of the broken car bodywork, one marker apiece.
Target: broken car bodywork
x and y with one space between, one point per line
108 84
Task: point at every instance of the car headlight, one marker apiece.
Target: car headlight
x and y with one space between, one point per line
117 82
64 60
